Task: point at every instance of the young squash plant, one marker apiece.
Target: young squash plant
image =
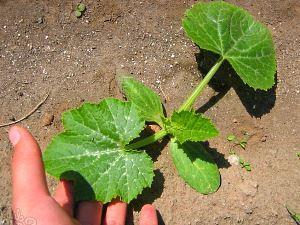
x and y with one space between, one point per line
98 148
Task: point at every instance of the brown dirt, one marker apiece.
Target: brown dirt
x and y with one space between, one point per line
44 48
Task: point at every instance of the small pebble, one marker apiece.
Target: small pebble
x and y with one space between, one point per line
234 160
12 118
40 20
248 211
47 119
264 138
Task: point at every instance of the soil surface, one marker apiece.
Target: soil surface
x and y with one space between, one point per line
44 49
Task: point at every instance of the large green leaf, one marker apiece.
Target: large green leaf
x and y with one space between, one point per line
146 100
234 34
195 166
189 126
91 152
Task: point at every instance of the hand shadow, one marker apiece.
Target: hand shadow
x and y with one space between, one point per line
147 197
256 102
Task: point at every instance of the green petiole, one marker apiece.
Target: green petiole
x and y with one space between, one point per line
148 140
185 106
192 98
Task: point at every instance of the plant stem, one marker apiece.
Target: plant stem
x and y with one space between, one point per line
148 140
192 98
185 106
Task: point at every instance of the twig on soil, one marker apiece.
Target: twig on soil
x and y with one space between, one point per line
27 115
165 96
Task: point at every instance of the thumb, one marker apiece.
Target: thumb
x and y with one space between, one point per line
28 175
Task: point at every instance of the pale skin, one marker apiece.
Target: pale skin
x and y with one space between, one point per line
31 197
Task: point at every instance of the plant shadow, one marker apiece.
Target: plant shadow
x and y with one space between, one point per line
154 149
256 102
218 157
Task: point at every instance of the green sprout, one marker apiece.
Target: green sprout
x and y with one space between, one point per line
245 164
79 10
231 137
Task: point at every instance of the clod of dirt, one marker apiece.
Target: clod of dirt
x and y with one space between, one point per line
47 119
249 188
264 138
40 20
12 118
234 160
248 211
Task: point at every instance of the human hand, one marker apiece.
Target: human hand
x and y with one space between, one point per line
32 203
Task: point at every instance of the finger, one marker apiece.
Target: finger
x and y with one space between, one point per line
148 215
115 213
64 196
28 175
89 212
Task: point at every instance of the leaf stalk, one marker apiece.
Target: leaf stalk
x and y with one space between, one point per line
187 105
148 140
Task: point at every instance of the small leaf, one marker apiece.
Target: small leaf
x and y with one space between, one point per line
234 34
78 13
147 101
186 125
231 137
92 153
80 7
195 166
243 144
245 164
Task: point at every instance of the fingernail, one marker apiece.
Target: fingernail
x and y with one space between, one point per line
14 135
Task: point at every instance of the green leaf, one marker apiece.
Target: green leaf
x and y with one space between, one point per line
245 164
231 137
92 152
195 166
243 144
78 13
233 33
189 126
80 7
147 101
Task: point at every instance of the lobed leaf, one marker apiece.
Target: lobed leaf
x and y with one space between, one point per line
195 166
91 152
189 126
147 101
233 33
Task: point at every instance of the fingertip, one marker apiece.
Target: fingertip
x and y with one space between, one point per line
89 212
148 207
115 213
27 165
14 135
64 196
148 215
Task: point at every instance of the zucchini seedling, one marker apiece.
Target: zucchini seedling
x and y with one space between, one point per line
97 149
